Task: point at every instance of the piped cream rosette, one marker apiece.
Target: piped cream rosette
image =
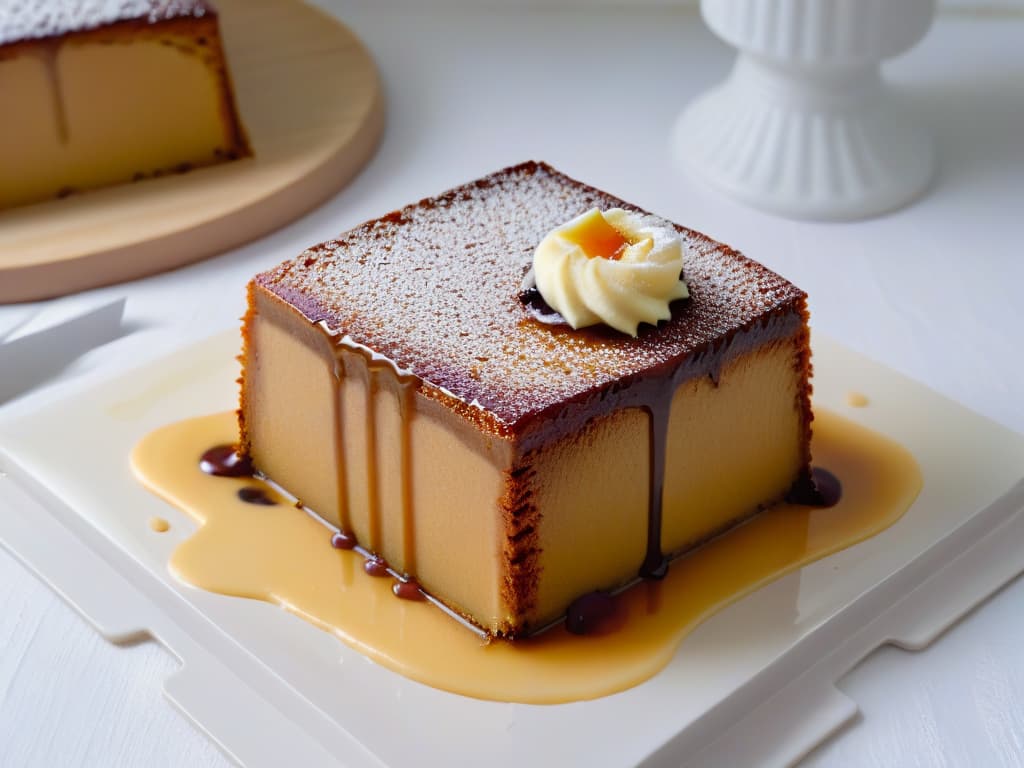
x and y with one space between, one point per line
617 267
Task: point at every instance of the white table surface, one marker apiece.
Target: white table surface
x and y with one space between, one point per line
936 291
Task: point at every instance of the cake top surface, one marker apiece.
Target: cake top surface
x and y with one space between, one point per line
36 19
435 288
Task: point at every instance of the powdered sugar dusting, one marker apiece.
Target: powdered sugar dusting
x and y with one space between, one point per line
35 19
434 287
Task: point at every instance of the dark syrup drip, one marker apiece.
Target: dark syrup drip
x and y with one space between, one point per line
383 378
374 521
655 565
375 566
224 461
342 540
407 402
820 488
588 613
407 590
651 398
253 495
344 518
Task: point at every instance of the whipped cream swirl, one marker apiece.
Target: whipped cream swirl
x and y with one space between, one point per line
617 267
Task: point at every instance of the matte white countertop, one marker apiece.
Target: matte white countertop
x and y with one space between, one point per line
934 291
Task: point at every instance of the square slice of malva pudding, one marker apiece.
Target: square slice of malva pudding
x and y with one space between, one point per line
408 386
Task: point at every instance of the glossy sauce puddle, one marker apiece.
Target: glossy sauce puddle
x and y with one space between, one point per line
280 554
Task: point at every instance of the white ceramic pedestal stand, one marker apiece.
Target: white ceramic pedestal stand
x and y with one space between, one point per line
804 126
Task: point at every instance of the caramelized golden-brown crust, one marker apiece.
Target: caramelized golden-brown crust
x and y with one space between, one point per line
434 288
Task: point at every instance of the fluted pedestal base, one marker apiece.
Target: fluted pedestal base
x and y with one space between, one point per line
824 143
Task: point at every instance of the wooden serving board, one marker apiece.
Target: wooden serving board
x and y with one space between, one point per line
310 98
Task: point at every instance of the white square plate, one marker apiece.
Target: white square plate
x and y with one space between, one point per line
755 683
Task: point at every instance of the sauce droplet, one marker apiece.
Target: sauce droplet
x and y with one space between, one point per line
589 612
407 590
224 461
655 568
254 495
856 399
342 540
821 489
159 525
375 566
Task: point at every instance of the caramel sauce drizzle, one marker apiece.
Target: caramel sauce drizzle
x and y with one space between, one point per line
382 376
632 634
655 564
344 513
372 475
407 404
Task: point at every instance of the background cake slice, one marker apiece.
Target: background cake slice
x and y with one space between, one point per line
97 93
394 381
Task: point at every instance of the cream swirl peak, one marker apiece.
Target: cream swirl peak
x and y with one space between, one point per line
613 267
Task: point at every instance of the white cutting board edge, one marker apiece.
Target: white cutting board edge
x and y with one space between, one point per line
771 683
